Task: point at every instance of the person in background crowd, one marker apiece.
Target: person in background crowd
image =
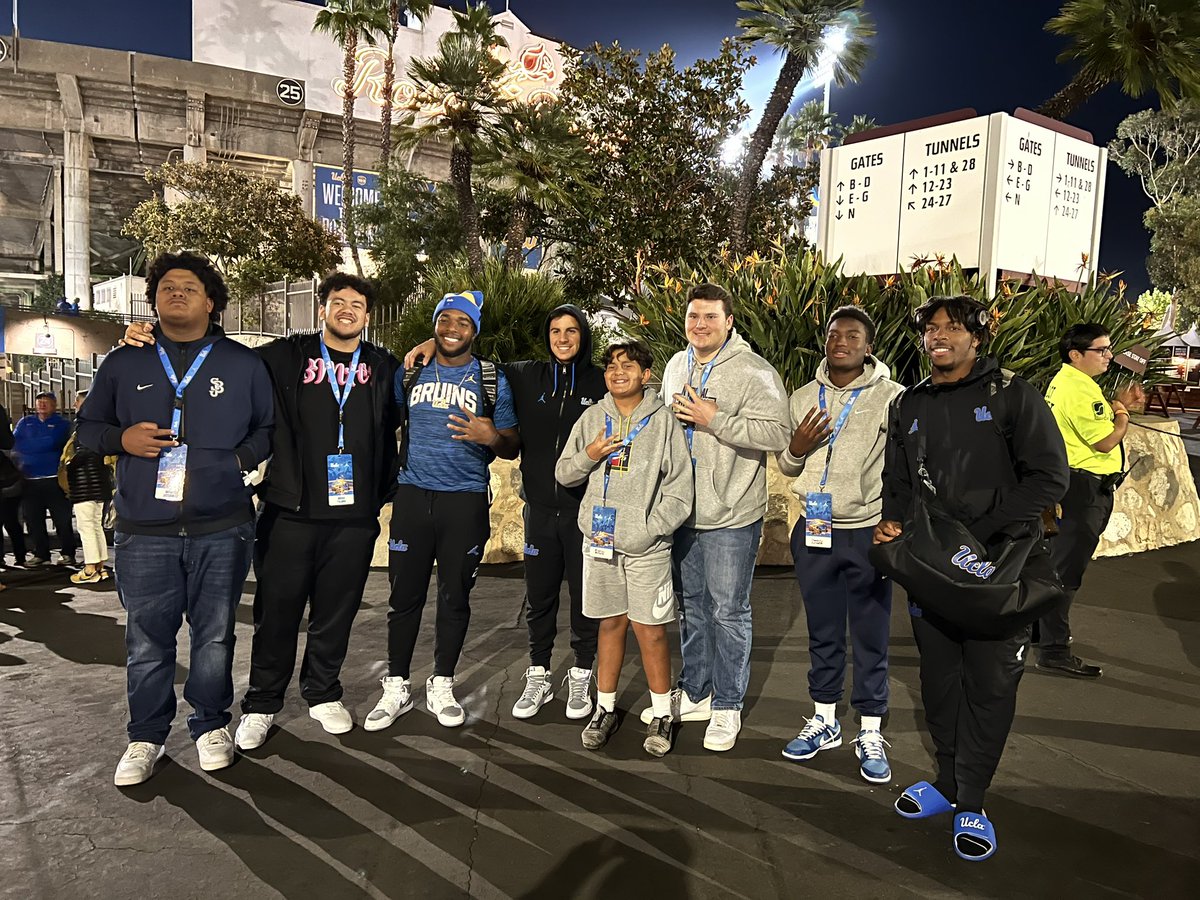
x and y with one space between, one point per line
38 442
89 480
10 495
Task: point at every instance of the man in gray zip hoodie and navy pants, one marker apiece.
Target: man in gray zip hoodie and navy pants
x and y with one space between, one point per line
840 420
734 410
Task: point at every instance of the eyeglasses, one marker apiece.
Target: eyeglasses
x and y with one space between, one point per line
1104 351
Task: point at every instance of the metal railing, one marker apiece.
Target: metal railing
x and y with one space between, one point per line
62 377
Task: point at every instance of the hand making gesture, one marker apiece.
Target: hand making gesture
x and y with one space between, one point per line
603 447
693 409
473 428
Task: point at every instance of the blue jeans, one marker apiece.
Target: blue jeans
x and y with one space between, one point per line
159 580
713 573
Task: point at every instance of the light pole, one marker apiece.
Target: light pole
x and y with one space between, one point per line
833 45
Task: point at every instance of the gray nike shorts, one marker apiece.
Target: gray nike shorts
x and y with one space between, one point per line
637 586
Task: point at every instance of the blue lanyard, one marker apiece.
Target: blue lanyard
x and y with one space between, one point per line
340 396
628 440
180 386
837 428
689 430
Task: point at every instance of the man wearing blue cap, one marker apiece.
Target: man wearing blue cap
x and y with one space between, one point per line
458 417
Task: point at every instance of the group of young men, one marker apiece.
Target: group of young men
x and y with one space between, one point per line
649 504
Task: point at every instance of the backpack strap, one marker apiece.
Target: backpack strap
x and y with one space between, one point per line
997 386
490 381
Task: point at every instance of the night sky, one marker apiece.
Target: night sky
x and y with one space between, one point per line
929 56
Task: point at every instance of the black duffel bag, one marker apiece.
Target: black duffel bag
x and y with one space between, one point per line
987 592
948 572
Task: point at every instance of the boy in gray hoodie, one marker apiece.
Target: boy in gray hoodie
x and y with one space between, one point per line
633 456
734 411
836 455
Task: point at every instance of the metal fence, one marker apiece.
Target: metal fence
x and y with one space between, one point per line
62 377
286 307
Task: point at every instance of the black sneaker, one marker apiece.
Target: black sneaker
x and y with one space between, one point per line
658 736
599 729
1069 665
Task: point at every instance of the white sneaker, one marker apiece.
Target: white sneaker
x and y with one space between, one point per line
722 731
439 699
333 716
579 694
538 692
252 730
215 749
138 763
395 702
683 709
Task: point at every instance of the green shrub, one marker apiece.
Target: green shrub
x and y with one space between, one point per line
782 303
515 306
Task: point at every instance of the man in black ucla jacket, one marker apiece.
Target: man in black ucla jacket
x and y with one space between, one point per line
996 459
549 397
187 417
314 544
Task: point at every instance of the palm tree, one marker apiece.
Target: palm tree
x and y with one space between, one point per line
420 9
530 152
456 90
348 22
796 29
1140 44
857 124
813 130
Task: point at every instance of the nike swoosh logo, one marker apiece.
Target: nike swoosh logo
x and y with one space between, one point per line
662 603
142 387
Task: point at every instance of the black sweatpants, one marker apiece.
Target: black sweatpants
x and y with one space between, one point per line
1085 512
554 549
969 691
10 521
318 563
839 585
39 496
451 528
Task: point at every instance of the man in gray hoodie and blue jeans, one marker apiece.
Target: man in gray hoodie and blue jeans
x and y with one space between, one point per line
733 408
836 457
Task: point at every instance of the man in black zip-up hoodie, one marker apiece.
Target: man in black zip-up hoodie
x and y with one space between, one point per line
996 458
549 397
314 548
200 405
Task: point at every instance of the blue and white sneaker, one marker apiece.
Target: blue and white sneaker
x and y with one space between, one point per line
873 762
815 737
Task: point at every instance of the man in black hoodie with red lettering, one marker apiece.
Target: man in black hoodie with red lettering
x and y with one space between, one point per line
549 398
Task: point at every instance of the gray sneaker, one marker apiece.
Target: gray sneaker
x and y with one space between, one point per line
600 729
658 736
579 695
538 692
